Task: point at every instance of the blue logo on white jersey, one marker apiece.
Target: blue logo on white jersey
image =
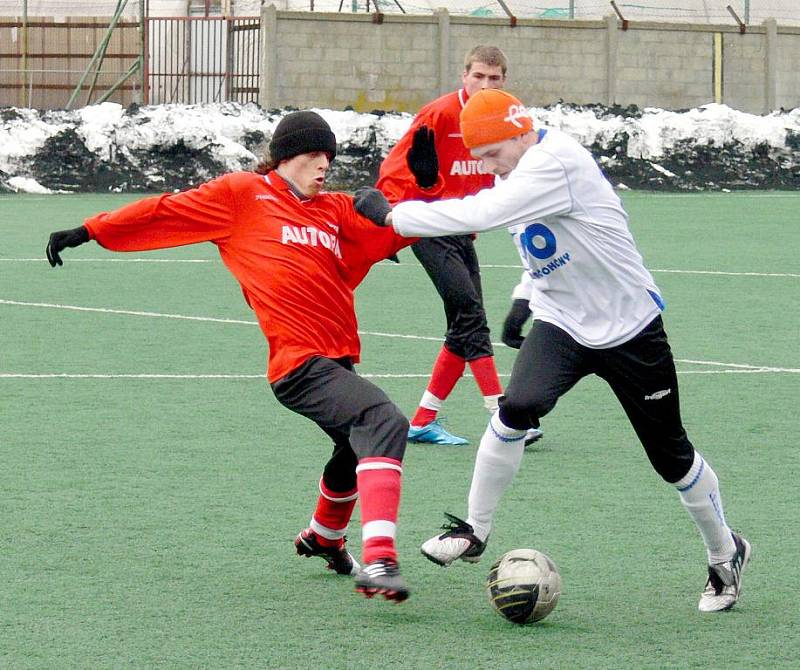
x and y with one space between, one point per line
538 240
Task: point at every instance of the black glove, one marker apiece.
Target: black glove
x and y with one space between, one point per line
370 202
512 327
422 159
62 239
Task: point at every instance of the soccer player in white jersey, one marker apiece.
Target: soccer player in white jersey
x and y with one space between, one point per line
596 310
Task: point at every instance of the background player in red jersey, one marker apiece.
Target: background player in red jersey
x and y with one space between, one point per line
430 162
451 262
298 252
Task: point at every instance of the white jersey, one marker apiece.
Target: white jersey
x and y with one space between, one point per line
587 277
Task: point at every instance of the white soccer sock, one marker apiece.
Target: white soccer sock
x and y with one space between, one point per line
496 463
490 402
699 491
430 401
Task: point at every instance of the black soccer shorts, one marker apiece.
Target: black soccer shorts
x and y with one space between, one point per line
356 414
641 372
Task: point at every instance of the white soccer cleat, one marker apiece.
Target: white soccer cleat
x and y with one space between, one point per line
725 579
457 542
533 435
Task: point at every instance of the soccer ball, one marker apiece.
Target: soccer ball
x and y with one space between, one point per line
523 585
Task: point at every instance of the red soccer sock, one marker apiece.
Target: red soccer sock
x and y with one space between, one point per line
332 514
379 488
423 416
485 373
447 370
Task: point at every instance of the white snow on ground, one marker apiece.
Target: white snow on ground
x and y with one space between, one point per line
221 130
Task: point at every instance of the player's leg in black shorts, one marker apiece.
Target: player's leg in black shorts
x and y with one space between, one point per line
548 364
453 267
642 374
349 408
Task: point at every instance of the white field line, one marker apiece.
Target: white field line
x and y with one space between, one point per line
734 368
680 272
729 274
385 264
114 260
626 193
144 375
126 312
719 194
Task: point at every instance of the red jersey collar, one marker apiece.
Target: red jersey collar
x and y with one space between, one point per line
274 179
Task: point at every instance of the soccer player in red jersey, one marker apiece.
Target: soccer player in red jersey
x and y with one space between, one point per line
411 173
298 253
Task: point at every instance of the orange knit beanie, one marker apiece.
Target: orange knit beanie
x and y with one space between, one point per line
492 115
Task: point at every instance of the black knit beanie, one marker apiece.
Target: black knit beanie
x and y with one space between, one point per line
301 133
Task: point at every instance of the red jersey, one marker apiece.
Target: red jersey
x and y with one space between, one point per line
459 173
297 261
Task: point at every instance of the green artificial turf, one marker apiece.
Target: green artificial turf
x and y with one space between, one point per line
151 486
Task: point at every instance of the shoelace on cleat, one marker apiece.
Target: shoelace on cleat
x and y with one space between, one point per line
455 524
732 569
715 581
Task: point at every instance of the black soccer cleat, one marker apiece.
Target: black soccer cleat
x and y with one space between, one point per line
382 577
338 558
457 542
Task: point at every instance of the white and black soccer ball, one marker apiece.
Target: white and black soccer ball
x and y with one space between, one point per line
523 585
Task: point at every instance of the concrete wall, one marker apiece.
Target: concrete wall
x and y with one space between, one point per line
788 72
395 62
744 65
336 60
660 66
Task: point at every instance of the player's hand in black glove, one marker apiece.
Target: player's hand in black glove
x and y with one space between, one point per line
371 203
422 159
62 239
519 313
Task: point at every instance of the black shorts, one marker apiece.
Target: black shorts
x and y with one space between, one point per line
355 413
641 372
452 265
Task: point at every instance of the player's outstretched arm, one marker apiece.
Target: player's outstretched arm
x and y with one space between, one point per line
62 239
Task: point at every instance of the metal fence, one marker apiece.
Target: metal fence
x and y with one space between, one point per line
786 12
202 59
43 62
47 64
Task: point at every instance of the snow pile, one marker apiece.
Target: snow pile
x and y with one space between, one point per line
162 148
